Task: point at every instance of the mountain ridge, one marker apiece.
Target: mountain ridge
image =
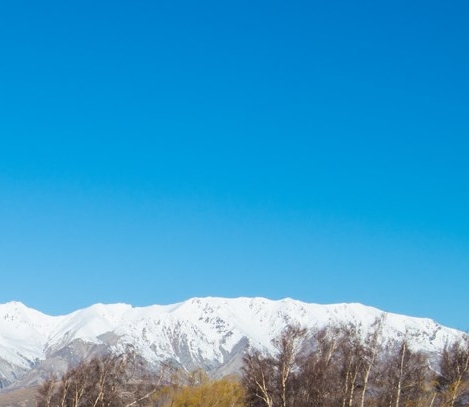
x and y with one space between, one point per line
207 332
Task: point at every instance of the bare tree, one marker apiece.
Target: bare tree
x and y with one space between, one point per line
46 392
453 379
268 379
288 346
371 347
316 382
404 378
350 366
258 379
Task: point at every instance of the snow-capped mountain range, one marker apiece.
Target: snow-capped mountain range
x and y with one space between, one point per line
208 333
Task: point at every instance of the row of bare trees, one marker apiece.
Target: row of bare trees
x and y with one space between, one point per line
333 367
125 381
338 367
109 381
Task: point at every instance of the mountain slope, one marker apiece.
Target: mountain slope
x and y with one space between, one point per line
208 333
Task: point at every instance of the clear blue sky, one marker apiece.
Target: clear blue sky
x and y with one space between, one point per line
152 151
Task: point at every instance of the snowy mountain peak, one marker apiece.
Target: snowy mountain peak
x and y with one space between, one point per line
18 321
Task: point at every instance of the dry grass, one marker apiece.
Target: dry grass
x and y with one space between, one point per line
25 397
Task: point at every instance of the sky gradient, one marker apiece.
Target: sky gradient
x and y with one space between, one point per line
156 151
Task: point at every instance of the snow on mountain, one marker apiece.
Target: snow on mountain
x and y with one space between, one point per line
210 333
86 324
23 333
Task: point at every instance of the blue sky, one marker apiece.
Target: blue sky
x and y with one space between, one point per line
156 151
